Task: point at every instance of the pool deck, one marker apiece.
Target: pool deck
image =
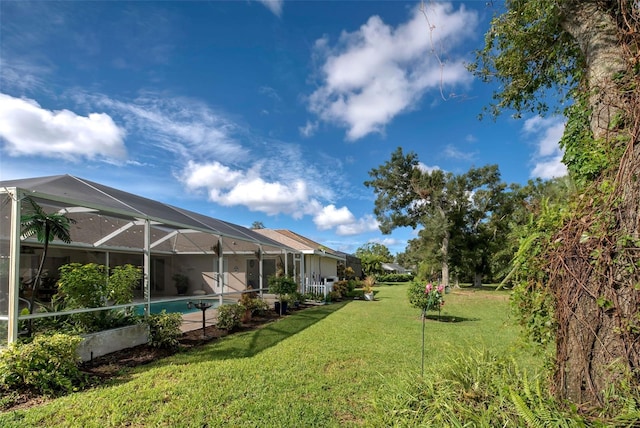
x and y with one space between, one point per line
193 321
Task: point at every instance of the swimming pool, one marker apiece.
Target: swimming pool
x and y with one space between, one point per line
177 306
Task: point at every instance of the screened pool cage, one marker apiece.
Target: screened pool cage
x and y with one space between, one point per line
113 228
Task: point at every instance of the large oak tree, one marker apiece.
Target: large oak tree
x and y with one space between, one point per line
452 208
586 52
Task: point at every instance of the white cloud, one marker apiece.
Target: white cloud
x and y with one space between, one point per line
230 187
343 221
275 6
549 168
368 223
378 72
453 152
426 168
235 187
388 242
270 93
180 125
30 130
547 133
330 217
22 75
308 129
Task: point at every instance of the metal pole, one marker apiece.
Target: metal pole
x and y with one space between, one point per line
14 267
204 325
423 317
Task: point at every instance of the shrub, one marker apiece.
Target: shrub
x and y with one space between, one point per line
341 288
164 329
396 277
122 281
230 316
352 284
91 286
250 301
47 365
259 306
83 286
318 297
368 283
426 297
282 285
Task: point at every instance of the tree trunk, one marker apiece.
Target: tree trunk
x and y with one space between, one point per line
597 35
444 247
596 303
477 279
445 259
36 280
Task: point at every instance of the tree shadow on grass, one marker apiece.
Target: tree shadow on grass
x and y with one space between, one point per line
247 344
449 318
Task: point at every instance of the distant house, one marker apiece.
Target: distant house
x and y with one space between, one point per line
393 268
314 264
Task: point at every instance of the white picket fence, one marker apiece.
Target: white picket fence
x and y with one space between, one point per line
320 287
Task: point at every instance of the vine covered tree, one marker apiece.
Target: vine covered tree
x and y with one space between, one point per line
588 53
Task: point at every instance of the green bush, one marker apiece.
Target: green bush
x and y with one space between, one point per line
251 302
92 286
164 329
318 297
122 281
341 288
83 285
395 277
282 285
47 365
230 316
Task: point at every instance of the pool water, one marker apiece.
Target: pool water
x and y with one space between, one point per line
180 306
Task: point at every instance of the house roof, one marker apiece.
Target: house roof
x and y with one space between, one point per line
393 267
300 243
87 202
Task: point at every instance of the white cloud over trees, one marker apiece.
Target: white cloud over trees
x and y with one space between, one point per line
377 72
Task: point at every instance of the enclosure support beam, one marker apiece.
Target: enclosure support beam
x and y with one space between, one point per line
220 278
14 268
303 278
260 271
147 266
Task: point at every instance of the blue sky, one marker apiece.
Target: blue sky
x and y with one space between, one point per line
271 111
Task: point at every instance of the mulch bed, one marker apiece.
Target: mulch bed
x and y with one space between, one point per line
109 367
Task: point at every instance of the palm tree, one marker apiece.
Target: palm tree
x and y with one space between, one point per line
46 227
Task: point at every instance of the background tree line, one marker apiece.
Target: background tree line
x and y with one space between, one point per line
470 225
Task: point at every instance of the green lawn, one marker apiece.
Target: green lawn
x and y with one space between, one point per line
324 366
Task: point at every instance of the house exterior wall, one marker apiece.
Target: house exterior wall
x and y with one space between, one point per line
237 268
318 267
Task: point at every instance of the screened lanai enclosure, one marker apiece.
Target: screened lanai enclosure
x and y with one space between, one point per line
113 228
